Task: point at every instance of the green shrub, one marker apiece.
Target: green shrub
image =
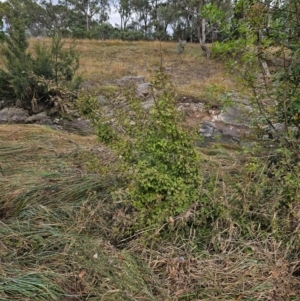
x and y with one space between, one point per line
160 161
32 78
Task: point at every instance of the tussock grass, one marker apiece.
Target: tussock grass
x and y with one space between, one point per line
248 271
60 238
63 233
55 226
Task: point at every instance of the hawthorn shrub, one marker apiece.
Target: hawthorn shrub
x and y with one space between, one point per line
160 162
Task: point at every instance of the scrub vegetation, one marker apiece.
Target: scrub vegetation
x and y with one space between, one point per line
141 209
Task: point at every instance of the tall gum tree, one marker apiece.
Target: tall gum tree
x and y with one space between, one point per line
206 17
89 9
124 8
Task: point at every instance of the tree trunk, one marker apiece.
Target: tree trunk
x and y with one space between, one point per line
86 12
202 38
263 64
87 22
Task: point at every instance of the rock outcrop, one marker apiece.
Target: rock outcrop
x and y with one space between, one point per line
41 118
13 115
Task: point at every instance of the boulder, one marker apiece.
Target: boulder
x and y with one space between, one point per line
218 132
143 90
234 116
208 129
41 118
148 104
78 126
277 130
102 100
14 115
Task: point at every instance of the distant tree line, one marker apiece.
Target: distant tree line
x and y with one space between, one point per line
201 21
195 21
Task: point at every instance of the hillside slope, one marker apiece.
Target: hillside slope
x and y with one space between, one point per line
65 226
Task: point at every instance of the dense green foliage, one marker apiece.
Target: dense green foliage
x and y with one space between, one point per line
156 218
160 160
30 79
264 51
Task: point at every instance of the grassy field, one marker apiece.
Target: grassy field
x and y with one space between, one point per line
63 222
104 61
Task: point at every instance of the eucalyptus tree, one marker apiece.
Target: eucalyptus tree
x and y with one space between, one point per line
142 11
167 13
87 10
125 10
204 16
55 17
32 15
154 14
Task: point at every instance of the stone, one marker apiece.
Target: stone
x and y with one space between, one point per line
40 118
148 104
218 132
277 130
234 115
14 115
56 121
102 100
126 80
143 90
79 126
208 129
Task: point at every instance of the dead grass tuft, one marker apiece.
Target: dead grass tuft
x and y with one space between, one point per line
249 270
60 230
56 218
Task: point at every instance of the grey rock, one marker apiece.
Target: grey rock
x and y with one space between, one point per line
218 133
40 118
228 138
277 130
148 104
234 116
102 100
143 90
79 126
208 129
127 80
15 115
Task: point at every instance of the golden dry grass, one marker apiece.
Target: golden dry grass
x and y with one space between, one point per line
105 61
57 231
102 62
59 221
51 210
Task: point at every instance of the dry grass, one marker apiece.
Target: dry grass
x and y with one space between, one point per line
60 229
105 61
57 228
249 270
102 62
56 215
